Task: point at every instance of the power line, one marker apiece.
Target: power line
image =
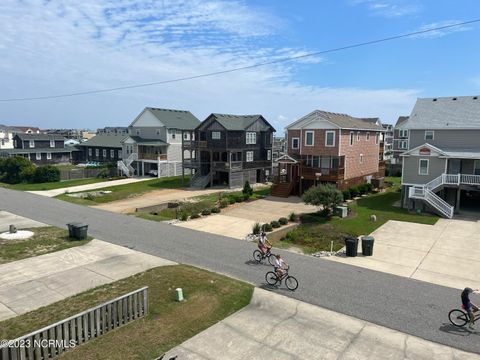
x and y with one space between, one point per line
247 67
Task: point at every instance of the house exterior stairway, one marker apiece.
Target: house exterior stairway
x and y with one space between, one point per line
282 189
125 166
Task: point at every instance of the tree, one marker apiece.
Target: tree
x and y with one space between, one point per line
47 173
17 169
247 189
327 196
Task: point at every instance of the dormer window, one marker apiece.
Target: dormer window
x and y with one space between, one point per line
52 143
31 143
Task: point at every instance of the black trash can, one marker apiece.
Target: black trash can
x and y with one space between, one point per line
351 244
367 245
71 226
80 231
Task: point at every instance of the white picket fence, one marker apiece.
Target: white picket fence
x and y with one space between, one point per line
57 338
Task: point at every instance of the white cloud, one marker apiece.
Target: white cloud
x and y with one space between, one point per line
389 8
441 32
56 47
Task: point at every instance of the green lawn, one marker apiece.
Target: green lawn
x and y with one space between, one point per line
316 233
51 185
46 240
120 192
209 298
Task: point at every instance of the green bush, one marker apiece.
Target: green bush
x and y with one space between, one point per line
224 203
362 189
354 192
17 169
325 213
267 227
194 216
239 197
215 210
232 200
256 229
283 221
292 217
327 196
246 197
184 216
103 174
346 194
369 187
275 224
247 190
47 173
206 212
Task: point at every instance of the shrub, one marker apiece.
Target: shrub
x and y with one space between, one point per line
215 210
362 189
327 196
103 174
47 173
292 217
325 213
354 192
267 227
232 200
256 229
194 216
346 194
275 224
224 203
206 212
184 216
283 221
247 189
246 197
369 187
239 197
17 169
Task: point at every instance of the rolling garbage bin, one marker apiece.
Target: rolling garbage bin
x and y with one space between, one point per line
351 244
80 231
367 245
71 226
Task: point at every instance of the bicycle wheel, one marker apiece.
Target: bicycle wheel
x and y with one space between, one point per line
291 283
271 259
257 255
458 317
271 278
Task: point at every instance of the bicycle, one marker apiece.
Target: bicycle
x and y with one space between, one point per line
460 318
258 256
290 282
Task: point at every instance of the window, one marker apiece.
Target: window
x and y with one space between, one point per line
158 131
330 138
361 158
104 153
31 143
402 144
358 135
137 132
269 154
295 143
251 138
216 135
403 133
119 154
367 137
351 138
476 167
97 152
186 136
89 151
112 153
423 167
249 155
377 138
38 156
49 156
52 143
308 138
429 135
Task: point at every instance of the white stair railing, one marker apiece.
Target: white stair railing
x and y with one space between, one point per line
125 165
470 179
123 168
423 193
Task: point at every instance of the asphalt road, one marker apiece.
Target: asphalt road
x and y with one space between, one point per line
406 305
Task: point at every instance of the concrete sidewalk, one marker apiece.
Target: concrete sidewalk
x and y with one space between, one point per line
273 326
7 219
87 187
31 283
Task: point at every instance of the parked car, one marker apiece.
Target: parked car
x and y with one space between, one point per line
153 173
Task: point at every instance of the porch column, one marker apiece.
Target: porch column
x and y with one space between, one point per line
278 175
158 167
211 168
143 168
457 203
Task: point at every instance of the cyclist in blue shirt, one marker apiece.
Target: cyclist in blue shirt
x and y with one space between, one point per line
469 307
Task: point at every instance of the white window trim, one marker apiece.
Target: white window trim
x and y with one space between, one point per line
249 158
52 143
351 138
403 133
250 138
361 159
112 153
420 167
104 153
326 137
38 156
215 133
298 142
358 135
269 154
31 143
367 136
89 151
49 156
119 154
97 152
429 131
313 137
377 138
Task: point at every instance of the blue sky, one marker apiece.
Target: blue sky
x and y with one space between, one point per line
53 47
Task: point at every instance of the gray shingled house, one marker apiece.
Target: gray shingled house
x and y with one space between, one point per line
441 167
103 148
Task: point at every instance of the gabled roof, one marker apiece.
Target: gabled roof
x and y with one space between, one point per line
25 136
143 141
21 128
426 145
174 119
401 120
342 121
462 112
237 122
105 140
373 120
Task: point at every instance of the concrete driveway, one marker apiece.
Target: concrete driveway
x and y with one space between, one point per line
276 327
7 219
31 283
447 253
237 221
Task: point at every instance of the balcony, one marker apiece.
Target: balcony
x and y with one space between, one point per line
227 166
322 174
148 156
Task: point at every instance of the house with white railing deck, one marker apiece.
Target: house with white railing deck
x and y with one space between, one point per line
441 168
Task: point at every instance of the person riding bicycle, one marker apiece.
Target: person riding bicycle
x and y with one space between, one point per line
469 307
263 244
280 266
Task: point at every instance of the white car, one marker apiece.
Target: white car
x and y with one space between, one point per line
153 173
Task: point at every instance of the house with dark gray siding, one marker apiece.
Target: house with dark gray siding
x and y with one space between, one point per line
400 139
441 167
104 148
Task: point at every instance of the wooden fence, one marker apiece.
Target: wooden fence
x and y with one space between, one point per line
84 173
57 338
